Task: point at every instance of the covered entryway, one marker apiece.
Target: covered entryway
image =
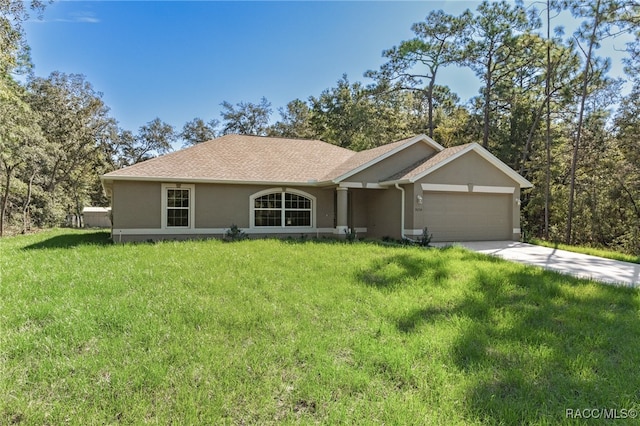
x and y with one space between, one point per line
468 216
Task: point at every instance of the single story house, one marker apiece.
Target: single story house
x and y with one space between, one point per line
291 187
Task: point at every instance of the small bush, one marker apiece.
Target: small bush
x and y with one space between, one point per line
406 241
425 238
352 235
235 234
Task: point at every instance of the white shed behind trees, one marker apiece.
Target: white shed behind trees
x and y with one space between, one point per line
97 217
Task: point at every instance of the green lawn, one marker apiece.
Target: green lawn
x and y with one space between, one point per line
608 254
267 331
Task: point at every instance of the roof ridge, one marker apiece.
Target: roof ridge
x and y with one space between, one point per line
285 138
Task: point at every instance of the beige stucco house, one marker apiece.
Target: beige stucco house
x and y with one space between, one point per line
292 187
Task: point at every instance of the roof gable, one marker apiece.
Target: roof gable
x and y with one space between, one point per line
448 155
365 159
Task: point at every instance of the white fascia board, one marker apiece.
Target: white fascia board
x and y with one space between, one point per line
110 180
431 142
420 138
365 185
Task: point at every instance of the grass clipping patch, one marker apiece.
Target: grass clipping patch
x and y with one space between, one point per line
279 332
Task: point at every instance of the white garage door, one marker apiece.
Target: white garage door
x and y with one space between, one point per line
468 216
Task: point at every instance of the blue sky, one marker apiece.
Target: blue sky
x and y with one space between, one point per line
179 60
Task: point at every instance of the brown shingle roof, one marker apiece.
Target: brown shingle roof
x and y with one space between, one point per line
241 158
261 159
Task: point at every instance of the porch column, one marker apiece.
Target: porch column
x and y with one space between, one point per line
342 216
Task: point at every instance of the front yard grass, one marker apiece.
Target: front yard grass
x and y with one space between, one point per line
268 331
608 254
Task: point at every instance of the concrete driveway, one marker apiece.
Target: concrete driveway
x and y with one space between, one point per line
576 264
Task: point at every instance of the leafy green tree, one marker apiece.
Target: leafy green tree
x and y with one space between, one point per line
154 138
295 121
354 117
121 145
451 120
246 118
75 122
20 137
14 50
414 64
453 126
594 208
495 50
337 114
197 131
601 19
626 162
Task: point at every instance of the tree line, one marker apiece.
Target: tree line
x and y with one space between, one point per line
548 107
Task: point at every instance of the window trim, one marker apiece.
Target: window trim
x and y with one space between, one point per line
283 209
192 205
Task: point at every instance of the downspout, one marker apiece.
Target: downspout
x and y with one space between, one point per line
401 212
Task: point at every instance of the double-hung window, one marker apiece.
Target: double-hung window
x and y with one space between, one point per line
177 206
282 209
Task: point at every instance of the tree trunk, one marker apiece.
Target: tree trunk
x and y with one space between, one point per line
5 198
432 83
576 145
532 130
547 91
26 225
486 112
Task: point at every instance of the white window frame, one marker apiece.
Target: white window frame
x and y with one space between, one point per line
283 209
192 205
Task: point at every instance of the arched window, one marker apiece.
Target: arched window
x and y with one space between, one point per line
282 208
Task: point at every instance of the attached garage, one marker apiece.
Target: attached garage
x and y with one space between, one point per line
452 216
463 193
